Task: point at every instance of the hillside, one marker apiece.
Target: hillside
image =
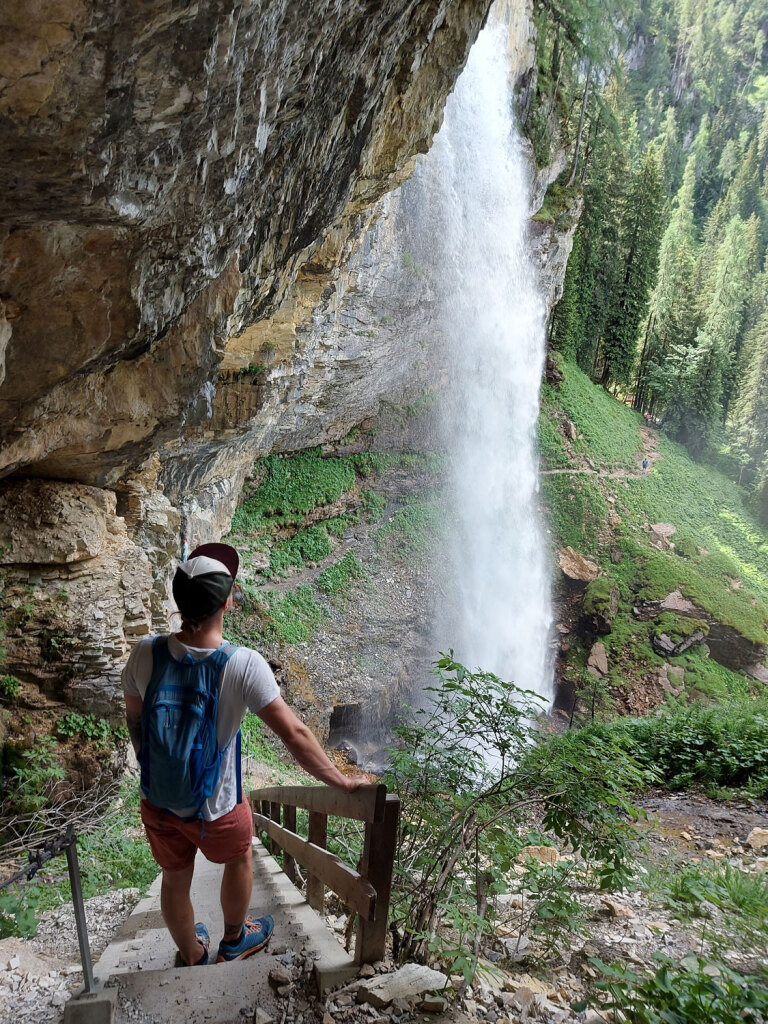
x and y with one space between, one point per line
674 543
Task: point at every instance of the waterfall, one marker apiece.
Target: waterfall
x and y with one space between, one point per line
470 199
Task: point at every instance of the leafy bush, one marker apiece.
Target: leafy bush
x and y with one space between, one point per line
467 766
10 688
686 547
87 727
32 781
690 992
690 743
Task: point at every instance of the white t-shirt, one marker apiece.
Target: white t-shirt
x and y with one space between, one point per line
246 684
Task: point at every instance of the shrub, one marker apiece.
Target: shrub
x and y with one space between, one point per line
374 505
308 545
689 743
690 992
10 688
467 767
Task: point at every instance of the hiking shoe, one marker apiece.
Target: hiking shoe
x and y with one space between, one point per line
205 941
254 936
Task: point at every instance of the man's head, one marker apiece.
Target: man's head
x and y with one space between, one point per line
203 583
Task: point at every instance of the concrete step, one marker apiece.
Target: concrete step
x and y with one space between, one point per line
141 961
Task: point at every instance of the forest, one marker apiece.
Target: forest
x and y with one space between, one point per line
665 300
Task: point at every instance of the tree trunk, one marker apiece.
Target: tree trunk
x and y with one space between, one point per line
582 118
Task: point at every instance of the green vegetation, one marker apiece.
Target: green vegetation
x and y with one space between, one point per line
85 727
689 992
410 531
337 579
577 511
10 688
293 485
467 805
664 298
308 545
254 742
111 855
610 433
374 505
278 619
597 597
688 743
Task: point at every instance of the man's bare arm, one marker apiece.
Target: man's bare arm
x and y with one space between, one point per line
302 743
133 720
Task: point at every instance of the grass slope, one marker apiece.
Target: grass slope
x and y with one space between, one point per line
720 561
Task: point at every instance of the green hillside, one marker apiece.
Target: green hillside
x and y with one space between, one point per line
602 503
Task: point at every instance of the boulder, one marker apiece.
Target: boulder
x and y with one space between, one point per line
569 429
543 854
598 660
759 672
408 982
667 648
758 839
661 534
577 567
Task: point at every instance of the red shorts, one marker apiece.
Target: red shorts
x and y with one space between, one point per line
174 842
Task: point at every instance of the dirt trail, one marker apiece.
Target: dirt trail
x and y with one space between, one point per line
649 450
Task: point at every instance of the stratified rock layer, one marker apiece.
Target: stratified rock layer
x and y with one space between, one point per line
167 170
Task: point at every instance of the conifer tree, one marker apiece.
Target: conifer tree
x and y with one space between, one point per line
641 236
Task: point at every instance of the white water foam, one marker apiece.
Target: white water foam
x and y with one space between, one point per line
473 203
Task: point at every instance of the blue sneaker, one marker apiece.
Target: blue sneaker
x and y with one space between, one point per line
205 941
254 936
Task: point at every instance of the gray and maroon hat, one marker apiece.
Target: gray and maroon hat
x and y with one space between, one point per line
202 583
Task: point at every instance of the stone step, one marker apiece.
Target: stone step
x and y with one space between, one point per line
141 961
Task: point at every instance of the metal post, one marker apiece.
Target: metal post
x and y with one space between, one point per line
77 901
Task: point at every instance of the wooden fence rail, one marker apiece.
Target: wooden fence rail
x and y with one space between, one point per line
365 889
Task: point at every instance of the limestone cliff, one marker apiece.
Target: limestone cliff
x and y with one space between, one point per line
196 267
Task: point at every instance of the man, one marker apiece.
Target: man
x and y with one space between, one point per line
222 827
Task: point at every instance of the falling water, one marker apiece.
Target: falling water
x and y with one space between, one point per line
473 204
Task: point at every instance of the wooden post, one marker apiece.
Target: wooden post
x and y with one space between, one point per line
274 814
377 865
264 806
318 834
289 821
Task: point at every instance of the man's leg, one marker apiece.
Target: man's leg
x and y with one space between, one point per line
179 917
236 888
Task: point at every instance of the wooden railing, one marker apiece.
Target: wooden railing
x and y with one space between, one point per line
365 890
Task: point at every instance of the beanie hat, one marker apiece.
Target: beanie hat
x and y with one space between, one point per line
202 583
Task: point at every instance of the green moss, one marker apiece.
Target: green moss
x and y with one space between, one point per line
705 678
704 581
338 526
678 627
597 597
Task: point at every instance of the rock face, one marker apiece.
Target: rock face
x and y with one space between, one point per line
167 172
83 561
200 262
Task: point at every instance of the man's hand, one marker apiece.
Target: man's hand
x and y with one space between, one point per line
302 743
353 782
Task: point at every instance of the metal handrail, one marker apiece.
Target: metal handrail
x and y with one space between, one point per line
37 858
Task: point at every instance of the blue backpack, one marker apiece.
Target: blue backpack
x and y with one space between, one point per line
180 757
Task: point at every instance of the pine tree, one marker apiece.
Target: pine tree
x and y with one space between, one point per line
640 239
